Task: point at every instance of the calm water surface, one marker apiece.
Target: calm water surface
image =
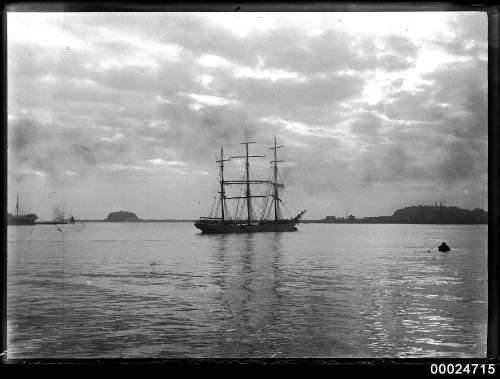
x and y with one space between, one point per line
163 290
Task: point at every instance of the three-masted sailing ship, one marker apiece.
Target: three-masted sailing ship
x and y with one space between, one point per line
270 218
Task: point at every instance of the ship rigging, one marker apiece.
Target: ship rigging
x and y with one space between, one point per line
244 219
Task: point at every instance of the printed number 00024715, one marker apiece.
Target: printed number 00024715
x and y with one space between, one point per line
460 369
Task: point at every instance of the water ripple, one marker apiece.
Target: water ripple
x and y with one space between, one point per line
328 291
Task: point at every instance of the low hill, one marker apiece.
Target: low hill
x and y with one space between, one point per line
441 214
122 216
427 214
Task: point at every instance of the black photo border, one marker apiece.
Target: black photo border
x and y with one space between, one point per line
420 366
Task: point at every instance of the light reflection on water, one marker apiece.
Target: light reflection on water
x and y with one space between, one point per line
326 291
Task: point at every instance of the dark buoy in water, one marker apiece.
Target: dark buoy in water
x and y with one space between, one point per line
444 247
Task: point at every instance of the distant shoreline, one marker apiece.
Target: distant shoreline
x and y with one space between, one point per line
420 215
137 221
394 222
301 222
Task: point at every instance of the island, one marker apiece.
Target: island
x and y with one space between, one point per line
122 216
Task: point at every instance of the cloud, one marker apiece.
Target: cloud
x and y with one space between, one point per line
116 98
400 45
367 124
331 52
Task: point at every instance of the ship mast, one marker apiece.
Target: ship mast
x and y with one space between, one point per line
247 165
247 180
17 205
275 183
222 192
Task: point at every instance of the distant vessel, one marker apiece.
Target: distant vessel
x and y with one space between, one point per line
21 219
270 219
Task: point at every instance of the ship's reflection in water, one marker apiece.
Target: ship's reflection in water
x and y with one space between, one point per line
362 302
325 291
248 277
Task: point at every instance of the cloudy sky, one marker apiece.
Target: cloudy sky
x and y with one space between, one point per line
110 111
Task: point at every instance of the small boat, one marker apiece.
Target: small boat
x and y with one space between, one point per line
21 219
243 217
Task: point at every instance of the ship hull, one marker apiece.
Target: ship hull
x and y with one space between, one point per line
21 220
224 228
